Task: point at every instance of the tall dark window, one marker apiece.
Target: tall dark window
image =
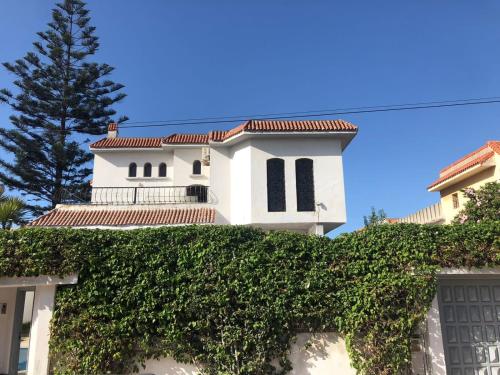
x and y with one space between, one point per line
276 185
162 170
147 170
196 167
304 179
132 170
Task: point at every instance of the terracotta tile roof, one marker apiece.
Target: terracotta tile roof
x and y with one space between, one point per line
495 146
251 126
391 220
273 126
477 157
217 135
61 217
127 143
186 138
113 126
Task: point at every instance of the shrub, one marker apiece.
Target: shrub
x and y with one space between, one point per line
231 299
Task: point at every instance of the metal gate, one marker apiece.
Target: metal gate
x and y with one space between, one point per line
470 320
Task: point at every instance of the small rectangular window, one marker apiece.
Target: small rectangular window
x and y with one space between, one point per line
454 197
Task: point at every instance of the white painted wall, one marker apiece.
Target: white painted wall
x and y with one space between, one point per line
220 184
241 183
183 167
111 168
328 180
43 307
326 355
8 296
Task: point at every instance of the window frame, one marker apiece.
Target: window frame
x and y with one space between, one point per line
455 201
304 185
132 170
196 171
148 167
162 167
276 185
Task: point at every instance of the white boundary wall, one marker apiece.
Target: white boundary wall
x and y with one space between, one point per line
325 354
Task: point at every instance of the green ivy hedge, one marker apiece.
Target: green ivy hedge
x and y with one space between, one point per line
231 299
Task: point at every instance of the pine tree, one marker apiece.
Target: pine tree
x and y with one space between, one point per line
62 96
375 218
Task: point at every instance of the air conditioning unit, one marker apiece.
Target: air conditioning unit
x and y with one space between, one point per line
205 156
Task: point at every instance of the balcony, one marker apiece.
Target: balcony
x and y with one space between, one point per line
428 215
192 194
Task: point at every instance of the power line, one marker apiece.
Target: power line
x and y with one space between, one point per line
239 117
294 115
338 112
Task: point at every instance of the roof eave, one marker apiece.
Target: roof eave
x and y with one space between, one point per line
184 145
461 176
122 149
346 136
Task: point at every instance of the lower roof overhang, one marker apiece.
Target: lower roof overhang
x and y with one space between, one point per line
462 176
345 137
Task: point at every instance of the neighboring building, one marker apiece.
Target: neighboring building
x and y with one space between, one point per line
471 171
461 334
270 174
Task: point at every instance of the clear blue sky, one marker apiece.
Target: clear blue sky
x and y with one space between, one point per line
181 59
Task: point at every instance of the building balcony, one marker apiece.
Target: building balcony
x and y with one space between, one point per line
145 195
429 215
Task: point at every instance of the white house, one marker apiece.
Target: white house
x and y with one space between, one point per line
269 174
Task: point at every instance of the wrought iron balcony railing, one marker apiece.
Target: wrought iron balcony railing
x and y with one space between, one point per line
148 195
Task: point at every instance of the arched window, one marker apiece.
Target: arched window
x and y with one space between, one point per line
304 180
147 170
132 170
196 167
162 170
276 185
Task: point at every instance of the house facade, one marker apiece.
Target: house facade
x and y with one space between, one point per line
269 174
471 171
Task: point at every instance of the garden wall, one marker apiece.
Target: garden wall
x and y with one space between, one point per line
319 354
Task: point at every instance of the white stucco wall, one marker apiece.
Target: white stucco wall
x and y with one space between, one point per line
111 168
326 355
328 180
8 296
241 183
43 308
220 184
183 167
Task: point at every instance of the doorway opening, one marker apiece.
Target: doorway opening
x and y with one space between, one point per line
21 331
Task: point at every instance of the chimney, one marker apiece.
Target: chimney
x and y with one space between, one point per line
113 130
